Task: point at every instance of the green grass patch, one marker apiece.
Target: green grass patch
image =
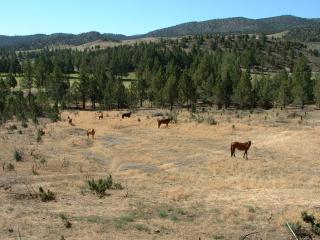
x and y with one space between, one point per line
163 213
142 227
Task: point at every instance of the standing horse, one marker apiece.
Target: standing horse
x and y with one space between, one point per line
126 114
163 121
70 120
240 146
100 116
91 132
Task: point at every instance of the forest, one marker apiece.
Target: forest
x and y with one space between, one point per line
241 71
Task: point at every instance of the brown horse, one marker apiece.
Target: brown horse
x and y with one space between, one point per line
240 146
91 132
163 121
100 116
126 114
70 120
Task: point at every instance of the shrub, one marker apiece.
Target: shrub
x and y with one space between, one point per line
20 132
54 115
12 127
139 120
315 224
65 220
34 170
101 185
8 167
46 196
24 124
18 155
308 218
117 186
163 214
141 227
211 121
40 133
174 116
301 232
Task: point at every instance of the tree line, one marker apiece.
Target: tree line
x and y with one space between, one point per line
241 71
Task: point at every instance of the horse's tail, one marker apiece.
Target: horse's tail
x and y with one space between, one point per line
232 149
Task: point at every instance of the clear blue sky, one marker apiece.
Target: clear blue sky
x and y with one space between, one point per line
21 17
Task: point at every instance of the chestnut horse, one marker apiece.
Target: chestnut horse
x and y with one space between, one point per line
163 121
100 116
91 132
240 146
126 114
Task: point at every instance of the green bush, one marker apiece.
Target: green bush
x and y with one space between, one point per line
101 185
162 214
46 196
18 155
54 114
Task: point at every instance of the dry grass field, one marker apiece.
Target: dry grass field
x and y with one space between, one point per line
179 181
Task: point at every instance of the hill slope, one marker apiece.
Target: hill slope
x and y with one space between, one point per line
301 29
238 24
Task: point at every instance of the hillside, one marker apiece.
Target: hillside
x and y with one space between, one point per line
300 29
238 24
42 40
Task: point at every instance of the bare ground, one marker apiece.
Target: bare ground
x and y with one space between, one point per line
180 182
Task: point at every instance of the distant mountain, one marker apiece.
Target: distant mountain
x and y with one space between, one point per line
236 25
42 40
301 29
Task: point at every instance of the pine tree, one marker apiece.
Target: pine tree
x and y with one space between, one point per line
302 82
284 92
317 90
243 92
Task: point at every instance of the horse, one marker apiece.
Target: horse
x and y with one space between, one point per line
70 120
100 116
163 121
126 114
91 132
240 146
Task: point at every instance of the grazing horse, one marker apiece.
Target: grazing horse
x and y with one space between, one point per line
91 132
100 116
163 121
70 120
126 114
240 146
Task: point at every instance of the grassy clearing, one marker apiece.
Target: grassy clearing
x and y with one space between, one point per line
178 182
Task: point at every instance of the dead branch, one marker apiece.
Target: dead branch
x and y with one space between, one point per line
247 235
295 236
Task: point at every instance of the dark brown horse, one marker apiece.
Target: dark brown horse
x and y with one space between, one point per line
91 132
126 114
70 120
163 121
240 146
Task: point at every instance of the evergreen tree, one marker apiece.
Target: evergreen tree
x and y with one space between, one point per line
302 82
242 95
28 77
284 92
317 90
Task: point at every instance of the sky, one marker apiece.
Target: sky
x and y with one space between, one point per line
130 17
